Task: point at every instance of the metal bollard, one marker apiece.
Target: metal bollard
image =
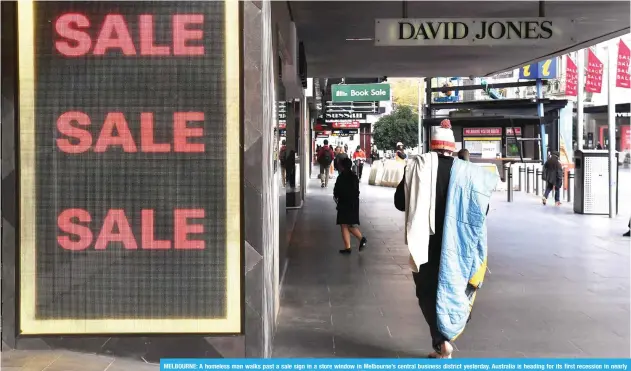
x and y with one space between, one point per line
522 175
570 186
509 183
530 174
538 183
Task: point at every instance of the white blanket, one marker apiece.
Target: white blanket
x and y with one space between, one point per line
420 202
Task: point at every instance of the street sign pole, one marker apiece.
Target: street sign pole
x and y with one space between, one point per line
611 120
542 126
580 88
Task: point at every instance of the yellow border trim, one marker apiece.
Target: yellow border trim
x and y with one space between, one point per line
29 325
466 139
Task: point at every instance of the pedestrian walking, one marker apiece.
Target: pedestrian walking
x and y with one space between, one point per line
339 156
553 176
282 155
346 195
435 194
325 158
400 153
463 154
359 157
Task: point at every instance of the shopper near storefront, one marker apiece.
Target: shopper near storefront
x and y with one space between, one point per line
400 154
340 155
346 195
553 176
325 159
282 156
463 154
359 157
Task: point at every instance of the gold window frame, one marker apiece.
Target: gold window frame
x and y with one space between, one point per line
29 324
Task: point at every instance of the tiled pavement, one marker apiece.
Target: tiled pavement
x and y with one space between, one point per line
559 285
54 360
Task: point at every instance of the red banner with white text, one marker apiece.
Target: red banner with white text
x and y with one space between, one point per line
594 76
571 77
623 79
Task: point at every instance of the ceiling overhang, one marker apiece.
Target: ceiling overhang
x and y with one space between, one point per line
338 36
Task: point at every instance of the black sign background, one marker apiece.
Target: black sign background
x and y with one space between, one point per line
117 283
339 116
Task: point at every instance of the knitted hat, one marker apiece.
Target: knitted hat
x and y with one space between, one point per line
443 137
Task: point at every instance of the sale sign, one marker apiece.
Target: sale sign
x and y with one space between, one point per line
130 185
622 74
571 78
481 131
594 76
511 132
346 125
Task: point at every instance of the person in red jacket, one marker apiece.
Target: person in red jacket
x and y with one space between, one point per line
282 156
359 157
325 158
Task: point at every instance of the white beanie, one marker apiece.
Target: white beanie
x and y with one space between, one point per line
443 137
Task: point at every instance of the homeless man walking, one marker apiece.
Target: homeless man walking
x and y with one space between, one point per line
445 202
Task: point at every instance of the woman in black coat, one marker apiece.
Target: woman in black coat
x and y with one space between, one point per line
346 195
553 176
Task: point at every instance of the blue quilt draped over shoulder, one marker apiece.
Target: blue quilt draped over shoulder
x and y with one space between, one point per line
464 249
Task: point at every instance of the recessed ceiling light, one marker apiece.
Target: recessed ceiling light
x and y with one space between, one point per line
360 39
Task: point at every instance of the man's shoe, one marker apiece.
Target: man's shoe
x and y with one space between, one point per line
362 243
628 234
322 185
446 349
544 201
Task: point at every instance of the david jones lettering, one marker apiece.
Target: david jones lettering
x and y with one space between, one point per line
508 30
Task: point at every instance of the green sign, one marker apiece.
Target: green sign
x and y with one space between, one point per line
360 93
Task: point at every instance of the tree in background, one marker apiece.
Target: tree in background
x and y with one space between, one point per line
404 92
399 126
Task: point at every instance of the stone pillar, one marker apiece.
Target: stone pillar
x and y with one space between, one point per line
260 181
9 179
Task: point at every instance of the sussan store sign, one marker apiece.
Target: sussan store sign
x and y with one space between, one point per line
360 93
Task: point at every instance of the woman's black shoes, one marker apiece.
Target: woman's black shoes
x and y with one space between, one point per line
362 246
362 243
628 234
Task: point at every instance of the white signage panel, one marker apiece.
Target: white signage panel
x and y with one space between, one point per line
474 32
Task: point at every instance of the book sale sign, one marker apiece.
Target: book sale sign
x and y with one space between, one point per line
130 167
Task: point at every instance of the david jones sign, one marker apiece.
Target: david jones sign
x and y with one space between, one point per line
461 32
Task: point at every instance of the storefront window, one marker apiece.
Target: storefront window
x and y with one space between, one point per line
488 148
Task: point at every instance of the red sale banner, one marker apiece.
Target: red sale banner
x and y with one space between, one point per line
594 78
482 131
571 78
346 125
622 74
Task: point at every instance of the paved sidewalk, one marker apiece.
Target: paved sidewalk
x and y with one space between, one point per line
559 285
60 360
